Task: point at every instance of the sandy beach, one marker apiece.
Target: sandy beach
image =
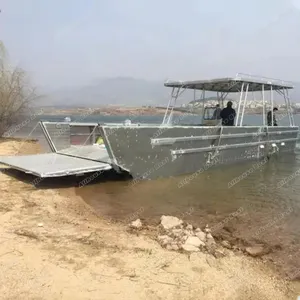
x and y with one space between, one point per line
54 246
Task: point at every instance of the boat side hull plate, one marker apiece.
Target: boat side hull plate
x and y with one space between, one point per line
151 152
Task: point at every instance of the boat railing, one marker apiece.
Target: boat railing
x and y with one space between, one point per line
63 134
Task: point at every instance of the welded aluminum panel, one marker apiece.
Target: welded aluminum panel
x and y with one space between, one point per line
130 148
133 149
60 134
52 164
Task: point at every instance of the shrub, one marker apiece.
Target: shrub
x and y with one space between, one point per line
16 93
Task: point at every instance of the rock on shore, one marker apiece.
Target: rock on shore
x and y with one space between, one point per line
175 235
180 236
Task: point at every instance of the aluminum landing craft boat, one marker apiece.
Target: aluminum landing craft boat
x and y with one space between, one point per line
167 149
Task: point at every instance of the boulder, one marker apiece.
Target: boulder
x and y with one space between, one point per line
201 235
194 241
177 232
190 248
184 238
137 224
165 240
188 232
172 247
219 253
258 250
226 244
169 222
209 239
189 227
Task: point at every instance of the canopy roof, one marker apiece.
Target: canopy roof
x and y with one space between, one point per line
232 84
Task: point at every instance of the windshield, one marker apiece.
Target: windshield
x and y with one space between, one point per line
209 113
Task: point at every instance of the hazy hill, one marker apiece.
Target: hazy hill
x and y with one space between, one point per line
118 91
123 91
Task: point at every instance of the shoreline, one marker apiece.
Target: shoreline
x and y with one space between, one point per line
78 254
110 111
127 111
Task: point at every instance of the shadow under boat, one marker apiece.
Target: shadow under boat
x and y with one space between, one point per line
67 181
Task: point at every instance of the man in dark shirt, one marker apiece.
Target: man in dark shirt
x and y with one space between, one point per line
228 114
269 117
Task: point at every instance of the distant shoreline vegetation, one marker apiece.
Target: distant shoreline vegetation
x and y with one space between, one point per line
142 110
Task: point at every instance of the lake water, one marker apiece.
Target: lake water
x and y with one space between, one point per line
257 209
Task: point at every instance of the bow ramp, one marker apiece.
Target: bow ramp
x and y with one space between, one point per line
70 161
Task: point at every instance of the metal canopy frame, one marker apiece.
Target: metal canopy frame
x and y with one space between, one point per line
241 83
232 84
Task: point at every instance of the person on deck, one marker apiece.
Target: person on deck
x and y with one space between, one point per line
228 114
269 117
217 112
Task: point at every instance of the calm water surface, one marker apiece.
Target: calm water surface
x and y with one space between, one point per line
263 211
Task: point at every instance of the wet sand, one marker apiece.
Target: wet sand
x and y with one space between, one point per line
53 245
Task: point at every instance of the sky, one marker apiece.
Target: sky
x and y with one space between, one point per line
70 43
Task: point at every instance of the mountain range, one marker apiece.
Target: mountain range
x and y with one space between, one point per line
123 91
112 91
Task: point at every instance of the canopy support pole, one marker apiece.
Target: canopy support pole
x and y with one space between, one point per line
239 106
264 105
244 105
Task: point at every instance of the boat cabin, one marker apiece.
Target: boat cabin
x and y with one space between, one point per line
240 86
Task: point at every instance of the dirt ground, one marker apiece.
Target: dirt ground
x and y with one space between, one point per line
56 247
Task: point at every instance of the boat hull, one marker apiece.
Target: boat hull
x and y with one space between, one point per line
152 152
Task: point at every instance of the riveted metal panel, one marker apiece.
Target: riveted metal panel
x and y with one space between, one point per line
134 148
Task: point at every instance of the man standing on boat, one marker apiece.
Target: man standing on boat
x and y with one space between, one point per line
269 117
228 114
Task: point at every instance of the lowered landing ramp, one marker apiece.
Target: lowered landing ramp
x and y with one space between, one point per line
53 164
